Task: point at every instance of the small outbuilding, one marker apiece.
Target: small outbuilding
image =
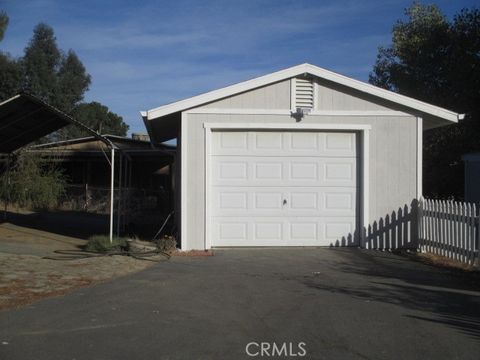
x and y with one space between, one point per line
299 157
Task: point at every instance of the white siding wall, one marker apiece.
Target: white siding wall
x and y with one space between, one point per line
275 96
393 157
331 97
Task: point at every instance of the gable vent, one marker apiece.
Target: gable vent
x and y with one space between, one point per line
303 93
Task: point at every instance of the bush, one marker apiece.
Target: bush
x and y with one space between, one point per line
101 243
33 183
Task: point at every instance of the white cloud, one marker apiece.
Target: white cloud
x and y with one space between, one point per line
142 55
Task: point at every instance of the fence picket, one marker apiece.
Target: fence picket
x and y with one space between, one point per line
431 226
461 243
469 233
446 244
436 227
474 233
455 223
444 228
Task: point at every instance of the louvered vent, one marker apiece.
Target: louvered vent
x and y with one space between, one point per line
303 93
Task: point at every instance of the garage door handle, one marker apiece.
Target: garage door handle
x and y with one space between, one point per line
284 201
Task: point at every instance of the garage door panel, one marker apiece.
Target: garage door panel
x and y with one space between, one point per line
305 141
232 170
228 200
298 143
232 141
268 141
302 200
268 231
264 169
304 170
232 232
339 171
267 200
304 231
284 171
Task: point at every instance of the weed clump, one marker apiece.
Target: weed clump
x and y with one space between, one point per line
101 243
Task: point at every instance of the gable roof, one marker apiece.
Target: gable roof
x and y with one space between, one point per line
294 71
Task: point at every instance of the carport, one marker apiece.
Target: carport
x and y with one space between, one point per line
25 118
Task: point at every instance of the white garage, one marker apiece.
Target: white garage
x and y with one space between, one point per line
299 157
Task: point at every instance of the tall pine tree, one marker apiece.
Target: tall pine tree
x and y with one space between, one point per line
41 64
60 80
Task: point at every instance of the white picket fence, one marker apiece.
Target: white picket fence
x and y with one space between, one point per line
450 229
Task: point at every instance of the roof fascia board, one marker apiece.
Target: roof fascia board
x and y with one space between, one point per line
295 71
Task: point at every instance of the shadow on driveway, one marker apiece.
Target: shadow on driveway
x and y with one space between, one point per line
451 297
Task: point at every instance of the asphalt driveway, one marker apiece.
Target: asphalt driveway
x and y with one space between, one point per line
341 303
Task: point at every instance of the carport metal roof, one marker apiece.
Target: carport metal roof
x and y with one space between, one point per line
25 118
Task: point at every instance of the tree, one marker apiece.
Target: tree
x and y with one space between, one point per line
41 63
10 71
73 81
3 23
97 117
437 61
10 77
58 79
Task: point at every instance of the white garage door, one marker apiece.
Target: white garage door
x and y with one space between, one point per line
276 188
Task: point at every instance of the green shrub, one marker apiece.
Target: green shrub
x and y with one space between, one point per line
101 243
33 183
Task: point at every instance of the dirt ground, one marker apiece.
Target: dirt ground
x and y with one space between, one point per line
25 276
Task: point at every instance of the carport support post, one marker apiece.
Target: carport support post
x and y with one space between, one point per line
119 203
112 190
7 188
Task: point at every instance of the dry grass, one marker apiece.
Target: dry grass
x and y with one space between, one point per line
20 293
444 262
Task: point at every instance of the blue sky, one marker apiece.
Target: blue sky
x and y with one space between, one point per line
142 54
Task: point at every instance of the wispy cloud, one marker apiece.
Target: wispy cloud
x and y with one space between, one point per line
146 53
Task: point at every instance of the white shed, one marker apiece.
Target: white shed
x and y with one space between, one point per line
299 157
472 177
